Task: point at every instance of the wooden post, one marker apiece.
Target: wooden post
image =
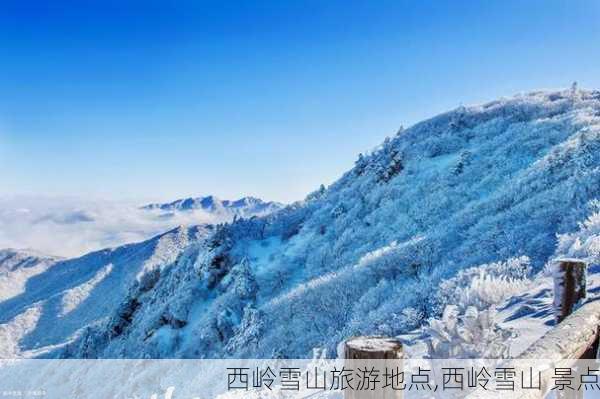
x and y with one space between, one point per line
378 352
569 286
569 290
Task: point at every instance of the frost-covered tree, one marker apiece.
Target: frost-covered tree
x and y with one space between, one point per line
472 334
485 285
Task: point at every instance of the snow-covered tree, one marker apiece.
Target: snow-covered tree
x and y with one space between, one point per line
472 334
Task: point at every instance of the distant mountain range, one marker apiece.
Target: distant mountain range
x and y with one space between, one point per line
243 207
75 226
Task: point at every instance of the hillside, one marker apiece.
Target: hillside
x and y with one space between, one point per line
18 266
369 254
57 302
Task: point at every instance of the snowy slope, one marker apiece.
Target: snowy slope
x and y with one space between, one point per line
18 266
374 253
63 296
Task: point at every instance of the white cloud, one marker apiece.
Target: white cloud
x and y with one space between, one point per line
71 227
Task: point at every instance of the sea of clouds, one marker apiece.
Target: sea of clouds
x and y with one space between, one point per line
71 227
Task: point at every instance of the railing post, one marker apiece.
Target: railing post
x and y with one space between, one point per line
569 289
569 286
380 352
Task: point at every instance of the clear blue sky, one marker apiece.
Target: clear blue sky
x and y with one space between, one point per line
269 98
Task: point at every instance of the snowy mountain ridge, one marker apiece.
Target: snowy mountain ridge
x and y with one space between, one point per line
14 259
381 251
243 207
17 267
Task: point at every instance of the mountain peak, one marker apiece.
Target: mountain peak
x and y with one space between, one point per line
245 206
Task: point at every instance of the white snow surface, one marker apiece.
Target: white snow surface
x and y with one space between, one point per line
17 267
499 189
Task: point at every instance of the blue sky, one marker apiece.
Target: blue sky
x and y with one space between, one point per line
158 100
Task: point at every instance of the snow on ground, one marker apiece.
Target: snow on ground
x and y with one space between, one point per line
73 297
17 267
16 329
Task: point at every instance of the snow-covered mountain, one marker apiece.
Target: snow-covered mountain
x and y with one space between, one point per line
243 207
51 301
450 209
17 267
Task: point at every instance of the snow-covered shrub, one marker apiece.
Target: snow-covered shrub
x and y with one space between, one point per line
241 280
468 335
585 242
485 285
463 161
468 328
382 310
